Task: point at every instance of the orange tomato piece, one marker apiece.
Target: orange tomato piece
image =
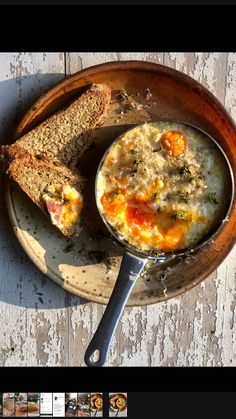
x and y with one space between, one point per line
174 143
113 204
137 216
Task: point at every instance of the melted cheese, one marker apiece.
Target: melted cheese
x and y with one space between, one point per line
161 186
64 204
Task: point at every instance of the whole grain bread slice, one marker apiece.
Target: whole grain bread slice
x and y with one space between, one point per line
36 174
47 155
67 134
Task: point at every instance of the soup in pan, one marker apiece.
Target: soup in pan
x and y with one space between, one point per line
162 186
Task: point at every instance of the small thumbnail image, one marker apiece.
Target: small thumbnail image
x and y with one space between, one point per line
58 406
70 404
33 404
8 402
21 407
46 404
96 404
118 405
83 405
1 404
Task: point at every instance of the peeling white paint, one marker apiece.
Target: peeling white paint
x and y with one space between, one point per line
43 325
225 310
230 99
178 60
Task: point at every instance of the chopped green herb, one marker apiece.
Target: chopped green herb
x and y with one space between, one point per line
158 148
168 197
154 195
180 215
50 194
123 173
109 263
41 300
134 152
184 197
124 94
114 194
125 99
211 197
138 161
184 170
201 177
197 238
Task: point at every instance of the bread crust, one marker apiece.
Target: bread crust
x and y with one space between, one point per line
68 133
18 160
37 153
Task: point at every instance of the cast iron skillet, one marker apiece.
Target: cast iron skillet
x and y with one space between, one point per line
133 263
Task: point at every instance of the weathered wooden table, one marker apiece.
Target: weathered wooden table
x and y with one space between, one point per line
198 328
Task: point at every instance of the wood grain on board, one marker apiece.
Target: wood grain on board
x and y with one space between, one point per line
41 324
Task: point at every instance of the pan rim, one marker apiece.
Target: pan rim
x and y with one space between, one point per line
163 256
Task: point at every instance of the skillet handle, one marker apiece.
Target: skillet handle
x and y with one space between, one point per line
131 268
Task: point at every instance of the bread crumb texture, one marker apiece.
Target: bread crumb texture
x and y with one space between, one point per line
46 156
66 135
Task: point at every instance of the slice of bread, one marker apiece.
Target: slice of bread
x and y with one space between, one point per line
47 155
36 174
67 134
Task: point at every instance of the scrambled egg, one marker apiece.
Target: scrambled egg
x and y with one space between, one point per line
98 403
161 186
120 403
64 204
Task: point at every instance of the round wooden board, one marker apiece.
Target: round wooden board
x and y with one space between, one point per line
89 266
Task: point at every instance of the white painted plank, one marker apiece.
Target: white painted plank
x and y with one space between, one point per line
226 274
32 307
197 328
185 330
93 58
142 56
208 68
